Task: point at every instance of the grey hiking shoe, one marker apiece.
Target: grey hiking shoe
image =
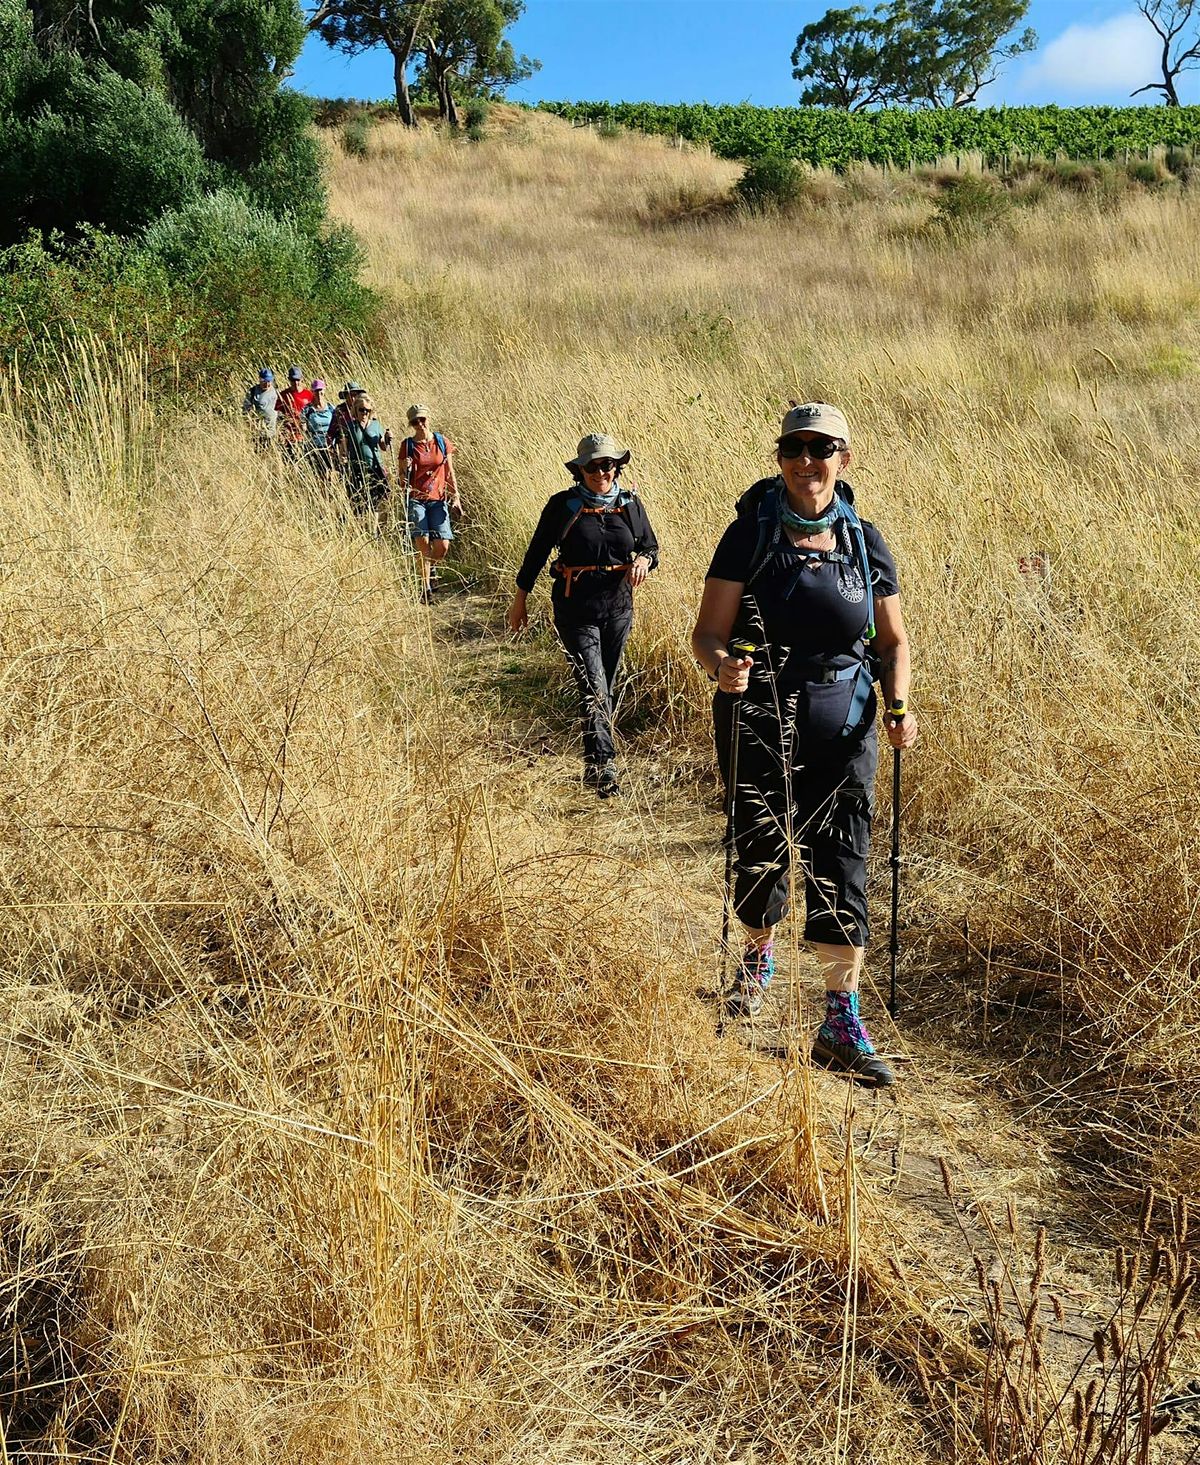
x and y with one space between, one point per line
607 784
866 1068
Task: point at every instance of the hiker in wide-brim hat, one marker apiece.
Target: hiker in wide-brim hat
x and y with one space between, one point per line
606 547
597 445
343 413
812 593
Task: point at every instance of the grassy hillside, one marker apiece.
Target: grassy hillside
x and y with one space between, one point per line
1017 392
362 1100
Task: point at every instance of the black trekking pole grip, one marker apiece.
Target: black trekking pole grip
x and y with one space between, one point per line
894 944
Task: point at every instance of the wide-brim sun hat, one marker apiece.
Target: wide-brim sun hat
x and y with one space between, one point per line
598 445
815 417
351 389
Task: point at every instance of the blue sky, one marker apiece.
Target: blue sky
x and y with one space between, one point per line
740 50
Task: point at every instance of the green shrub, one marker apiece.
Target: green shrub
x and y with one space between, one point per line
1148 171
84 145
969 202
250 273
212 281
355 136
110 127
475 117
770 185
609 128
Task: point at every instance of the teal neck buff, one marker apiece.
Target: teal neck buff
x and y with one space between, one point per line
791 520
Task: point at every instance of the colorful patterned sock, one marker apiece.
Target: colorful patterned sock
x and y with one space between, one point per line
842 1023
757 966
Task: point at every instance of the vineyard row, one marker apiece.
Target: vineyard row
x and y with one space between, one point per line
900 138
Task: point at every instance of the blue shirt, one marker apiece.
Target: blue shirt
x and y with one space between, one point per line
318 420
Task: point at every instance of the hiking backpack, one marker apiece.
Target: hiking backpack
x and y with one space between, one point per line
762 500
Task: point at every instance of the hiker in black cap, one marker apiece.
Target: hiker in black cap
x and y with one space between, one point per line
605 550
813 591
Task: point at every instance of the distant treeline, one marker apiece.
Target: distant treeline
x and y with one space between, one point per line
898 137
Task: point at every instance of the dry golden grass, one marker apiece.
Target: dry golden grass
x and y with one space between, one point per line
1026 389
358 1102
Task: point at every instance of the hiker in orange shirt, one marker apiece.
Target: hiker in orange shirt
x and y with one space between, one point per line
432 493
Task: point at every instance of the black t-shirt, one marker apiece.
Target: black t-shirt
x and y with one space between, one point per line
591 539
808 609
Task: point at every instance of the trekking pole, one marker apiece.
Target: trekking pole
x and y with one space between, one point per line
738 649
894 945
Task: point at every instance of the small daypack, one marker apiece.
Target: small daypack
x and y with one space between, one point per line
577 508
762 501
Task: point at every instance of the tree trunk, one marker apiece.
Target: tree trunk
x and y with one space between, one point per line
446 105
400 60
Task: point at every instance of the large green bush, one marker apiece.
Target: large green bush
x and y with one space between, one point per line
113 124
248 270
211 281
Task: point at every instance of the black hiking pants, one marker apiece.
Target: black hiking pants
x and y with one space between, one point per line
808 800
594 634
367 487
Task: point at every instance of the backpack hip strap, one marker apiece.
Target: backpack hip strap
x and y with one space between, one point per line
571 573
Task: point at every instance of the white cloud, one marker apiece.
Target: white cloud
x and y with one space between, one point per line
1110 57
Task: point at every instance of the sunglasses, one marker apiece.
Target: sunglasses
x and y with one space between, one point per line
599 465
818 448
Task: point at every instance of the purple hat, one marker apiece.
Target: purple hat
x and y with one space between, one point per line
266 375
318 385
294 374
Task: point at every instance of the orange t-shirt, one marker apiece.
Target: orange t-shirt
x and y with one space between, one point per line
428 468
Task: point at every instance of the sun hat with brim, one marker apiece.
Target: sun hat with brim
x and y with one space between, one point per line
318 385
351 389
816 417
598 445
418 409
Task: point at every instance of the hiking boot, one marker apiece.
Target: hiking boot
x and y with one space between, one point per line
607 785
755 970
862 1064
426 594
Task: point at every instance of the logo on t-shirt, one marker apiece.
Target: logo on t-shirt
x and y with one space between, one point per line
851 587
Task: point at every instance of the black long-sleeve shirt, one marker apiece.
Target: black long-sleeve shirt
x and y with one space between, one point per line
593 539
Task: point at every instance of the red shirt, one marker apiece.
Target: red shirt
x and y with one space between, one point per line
292 402
427 464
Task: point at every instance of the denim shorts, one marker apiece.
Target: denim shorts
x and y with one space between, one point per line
429 520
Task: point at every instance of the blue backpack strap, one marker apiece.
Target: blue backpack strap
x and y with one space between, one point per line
850 514
441 445
768 533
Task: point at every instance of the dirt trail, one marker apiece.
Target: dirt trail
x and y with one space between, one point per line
947 1167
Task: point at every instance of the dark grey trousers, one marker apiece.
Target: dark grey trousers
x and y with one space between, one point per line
594 638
